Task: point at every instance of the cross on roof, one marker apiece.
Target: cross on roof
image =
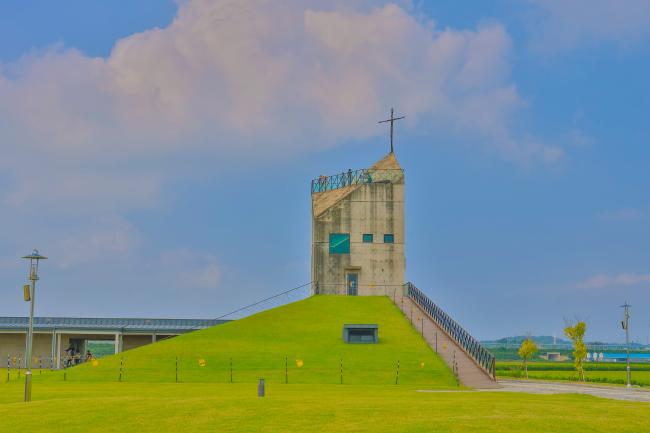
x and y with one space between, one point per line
392 121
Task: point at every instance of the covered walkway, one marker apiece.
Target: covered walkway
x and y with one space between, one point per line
53 335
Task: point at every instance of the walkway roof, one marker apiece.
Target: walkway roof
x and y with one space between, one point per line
161 326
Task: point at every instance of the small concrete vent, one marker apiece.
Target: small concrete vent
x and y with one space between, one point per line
361 333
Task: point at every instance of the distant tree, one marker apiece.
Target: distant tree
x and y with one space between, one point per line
576 334
526 351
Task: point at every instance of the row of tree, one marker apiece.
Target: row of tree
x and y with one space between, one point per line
576 334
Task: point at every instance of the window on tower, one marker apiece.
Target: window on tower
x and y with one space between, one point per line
389 238
339 243
367 238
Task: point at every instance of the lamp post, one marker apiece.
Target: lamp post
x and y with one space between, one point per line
33 258
626 325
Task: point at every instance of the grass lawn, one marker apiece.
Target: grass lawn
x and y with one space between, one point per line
188 407
204 400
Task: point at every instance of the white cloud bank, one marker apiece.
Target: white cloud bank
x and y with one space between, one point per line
566 25
622 215
111 237
251 77
189 269
602 281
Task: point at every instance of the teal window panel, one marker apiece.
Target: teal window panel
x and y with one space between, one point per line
389 238
339 243
367 238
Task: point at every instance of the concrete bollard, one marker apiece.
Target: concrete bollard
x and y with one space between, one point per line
260 388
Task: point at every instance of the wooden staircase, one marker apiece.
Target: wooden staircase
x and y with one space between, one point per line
472 364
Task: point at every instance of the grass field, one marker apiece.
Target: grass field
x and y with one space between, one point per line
314 400
212 407
614 373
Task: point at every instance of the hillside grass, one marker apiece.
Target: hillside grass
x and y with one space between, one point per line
201 407
258 347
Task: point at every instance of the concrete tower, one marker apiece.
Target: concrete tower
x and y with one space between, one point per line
358 231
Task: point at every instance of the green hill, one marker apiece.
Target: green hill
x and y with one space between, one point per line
309 330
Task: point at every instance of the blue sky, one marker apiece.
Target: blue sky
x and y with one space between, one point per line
161 153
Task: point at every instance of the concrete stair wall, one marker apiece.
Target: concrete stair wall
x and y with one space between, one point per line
468 371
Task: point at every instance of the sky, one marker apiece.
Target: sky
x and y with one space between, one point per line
160 152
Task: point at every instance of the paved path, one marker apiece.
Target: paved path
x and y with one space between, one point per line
542 387
469 373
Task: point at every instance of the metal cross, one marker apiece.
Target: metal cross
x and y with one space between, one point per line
392 121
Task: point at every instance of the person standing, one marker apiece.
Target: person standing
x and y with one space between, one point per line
69 352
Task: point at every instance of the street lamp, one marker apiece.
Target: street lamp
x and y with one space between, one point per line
626 325
33 258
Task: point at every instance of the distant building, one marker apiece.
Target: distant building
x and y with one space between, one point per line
358 230
622 357
554 356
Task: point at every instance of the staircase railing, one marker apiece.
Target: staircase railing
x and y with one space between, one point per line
473 347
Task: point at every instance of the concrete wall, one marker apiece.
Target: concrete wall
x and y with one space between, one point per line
133 341
376 208
13 345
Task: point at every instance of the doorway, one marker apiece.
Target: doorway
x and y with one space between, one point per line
352 283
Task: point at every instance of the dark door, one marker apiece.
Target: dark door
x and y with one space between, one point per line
352 283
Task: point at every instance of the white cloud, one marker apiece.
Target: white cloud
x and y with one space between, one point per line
84 137
81 192
602 281
190 269
245 77
625 214
111 237
565 25
578 138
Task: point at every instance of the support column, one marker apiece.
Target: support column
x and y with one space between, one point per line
58 350
118 342
154 337
53 351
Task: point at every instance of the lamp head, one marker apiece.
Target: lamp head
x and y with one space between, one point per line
35 255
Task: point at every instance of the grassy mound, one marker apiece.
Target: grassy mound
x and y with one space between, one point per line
307 334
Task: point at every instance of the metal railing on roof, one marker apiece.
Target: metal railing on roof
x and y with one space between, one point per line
469 344
354 177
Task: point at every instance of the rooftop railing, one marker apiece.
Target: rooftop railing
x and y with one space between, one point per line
354 177
469 344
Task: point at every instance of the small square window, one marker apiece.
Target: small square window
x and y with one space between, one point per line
367 238
339 243
389 238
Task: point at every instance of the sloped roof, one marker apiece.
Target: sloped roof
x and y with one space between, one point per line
388 162
324 200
